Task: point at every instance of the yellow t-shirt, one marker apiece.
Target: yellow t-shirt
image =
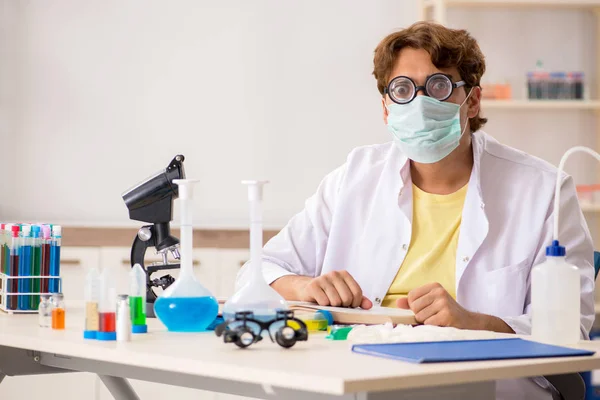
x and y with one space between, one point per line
431 255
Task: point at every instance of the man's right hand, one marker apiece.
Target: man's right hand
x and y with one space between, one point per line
336 288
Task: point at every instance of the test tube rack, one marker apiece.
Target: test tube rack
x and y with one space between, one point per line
6 294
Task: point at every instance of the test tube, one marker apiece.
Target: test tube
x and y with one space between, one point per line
6 258
46 245
92 296
36 255
2 242
55 257
137 299
25 267
123 319
107 307
14 267
58 311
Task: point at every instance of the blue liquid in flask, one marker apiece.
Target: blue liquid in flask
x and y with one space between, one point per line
186 314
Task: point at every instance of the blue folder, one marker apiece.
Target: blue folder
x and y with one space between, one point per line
467 350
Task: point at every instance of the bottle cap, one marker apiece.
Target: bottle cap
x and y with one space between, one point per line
122 296
555 250
15 230
106 336
139 329
56 230
26 230
90 334
45 231
35 231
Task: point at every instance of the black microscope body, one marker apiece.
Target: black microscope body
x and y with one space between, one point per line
151 201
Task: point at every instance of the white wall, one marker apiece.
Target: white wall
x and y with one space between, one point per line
512 41
9 107
112 90
109 91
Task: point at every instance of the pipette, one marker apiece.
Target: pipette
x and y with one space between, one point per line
137 299
256 296
186 305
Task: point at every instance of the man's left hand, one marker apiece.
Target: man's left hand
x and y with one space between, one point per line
433 305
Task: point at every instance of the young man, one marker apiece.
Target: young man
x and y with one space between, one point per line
444 220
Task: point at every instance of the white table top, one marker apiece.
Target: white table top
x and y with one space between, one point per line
318 365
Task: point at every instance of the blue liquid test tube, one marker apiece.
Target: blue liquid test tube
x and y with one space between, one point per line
25 267
55 244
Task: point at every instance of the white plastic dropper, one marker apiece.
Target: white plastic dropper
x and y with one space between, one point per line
555 284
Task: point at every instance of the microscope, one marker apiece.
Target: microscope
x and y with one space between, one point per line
151 201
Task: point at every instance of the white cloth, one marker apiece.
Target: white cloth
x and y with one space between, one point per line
360 218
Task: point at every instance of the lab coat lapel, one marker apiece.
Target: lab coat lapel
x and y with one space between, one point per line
387 225
474 225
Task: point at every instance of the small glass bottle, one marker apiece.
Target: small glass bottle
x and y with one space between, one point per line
123 319
45 311
58 311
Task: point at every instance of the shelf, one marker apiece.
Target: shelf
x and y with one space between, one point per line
517 3
540 104
589 207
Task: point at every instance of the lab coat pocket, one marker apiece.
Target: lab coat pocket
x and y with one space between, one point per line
506 289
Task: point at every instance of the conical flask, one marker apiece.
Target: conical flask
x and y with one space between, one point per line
186 305
256 295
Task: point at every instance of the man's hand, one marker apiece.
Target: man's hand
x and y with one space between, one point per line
433 305
336 288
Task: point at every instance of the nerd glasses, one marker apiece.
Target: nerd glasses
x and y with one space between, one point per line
403 90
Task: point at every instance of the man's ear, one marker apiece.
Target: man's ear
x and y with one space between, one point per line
474 102
385 110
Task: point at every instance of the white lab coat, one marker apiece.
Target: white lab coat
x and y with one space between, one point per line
360 220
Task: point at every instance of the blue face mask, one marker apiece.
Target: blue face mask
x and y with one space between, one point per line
426 129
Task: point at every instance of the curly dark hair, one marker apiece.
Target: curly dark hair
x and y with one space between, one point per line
448 48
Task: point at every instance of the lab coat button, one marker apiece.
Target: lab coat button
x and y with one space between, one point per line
465 259
404 247
377 300
482 206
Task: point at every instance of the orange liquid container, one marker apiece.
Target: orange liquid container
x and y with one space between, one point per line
58 318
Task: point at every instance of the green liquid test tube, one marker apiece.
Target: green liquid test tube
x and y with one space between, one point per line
137 299
138 312
36 268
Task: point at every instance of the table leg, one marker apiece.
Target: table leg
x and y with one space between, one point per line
120 388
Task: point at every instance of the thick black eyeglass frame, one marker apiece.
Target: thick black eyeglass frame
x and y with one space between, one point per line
224 329
454 85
